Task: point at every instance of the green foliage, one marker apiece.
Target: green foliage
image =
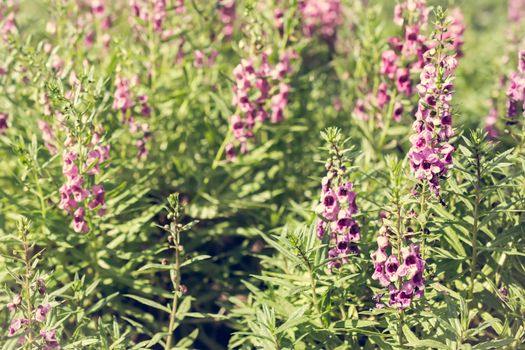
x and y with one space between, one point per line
199 252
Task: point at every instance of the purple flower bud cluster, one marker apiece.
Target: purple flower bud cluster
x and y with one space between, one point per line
455 31
405 56
374 104
227 17
48 338
336 209
321 17
200 60
153 12
3 122
131 107
406 53
75 196
516 88
20 326
401 273
258 94
92 19
431 153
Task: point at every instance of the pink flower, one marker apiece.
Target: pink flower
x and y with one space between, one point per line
403 82
382 95
230 152
322 16
97 8
122 97
17 299
379 275
321 230
50 339
382 242
398 111
431 154
67 201
330 205
227 17
379 256
198 62
252 96
79 224
412 262
405 295
16 324
391 267
455 30
98 199
388 64
336 209
42 311
360 111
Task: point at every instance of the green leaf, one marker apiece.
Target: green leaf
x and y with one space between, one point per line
188 340
148 302
296 318
494 344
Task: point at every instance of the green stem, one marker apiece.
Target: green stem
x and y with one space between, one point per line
475 225
400 328
40 195
399 245
313 285
27 291
176 285
422 207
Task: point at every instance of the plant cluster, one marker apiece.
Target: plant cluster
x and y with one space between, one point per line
268 174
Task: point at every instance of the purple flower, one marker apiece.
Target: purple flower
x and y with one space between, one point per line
321 16
382 95
403 82
388 270
67 201
330 205
321 230
254 95
16 324
50 339
42 311
379 275
405 295
431 154
98 200
41 285
389 64
79 223
337 205
17 299
412 262
3 122
227 17
122 98
391 267
398 111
